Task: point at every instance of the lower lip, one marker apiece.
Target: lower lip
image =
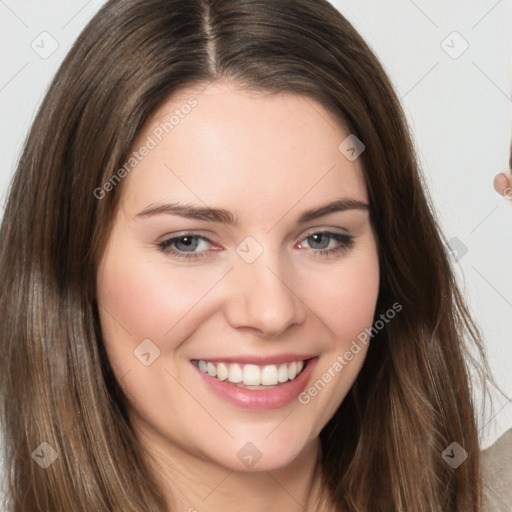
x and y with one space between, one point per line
265 399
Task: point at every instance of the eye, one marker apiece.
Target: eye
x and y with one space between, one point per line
189 246
327 243
185 246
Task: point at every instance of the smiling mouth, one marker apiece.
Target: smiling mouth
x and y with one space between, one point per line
251 376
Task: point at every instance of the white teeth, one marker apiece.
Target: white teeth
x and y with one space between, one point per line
235 373
283 373
292 370
251 374
212 370
269 375
222 371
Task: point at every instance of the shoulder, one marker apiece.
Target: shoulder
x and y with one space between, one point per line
497 475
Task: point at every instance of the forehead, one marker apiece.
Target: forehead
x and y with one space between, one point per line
221 144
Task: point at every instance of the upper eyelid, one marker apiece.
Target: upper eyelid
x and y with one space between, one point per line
308 232
312 231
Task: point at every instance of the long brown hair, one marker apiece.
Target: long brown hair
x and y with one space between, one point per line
381 451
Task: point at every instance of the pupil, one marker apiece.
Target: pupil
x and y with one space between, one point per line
317 239
187 243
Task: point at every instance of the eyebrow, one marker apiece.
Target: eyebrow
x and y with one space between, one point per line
226 217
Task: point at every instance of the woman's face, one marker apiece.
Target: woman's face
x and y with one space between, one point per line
223 258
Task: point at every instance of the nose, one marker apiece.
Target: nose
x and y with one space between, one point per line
262 298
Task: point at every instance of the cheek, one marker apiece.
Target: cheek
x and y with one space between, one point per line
354 308
139 300
345 298
149 300
345 303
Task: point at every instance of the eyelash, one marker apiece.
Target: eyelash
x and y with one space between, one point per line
346 241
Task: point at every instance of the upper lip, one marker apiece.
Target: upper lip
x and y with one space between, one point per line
257 360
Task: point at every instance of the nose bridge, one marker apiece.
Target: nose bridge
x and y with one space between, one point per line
262 292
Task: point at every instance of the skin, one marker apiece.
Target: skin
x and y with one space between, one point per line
503 184
266 159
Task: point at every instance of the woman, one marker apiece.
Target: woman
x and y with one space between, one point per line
224 281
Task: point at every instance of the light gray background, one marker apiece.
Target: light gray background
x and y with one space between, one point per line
460 112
